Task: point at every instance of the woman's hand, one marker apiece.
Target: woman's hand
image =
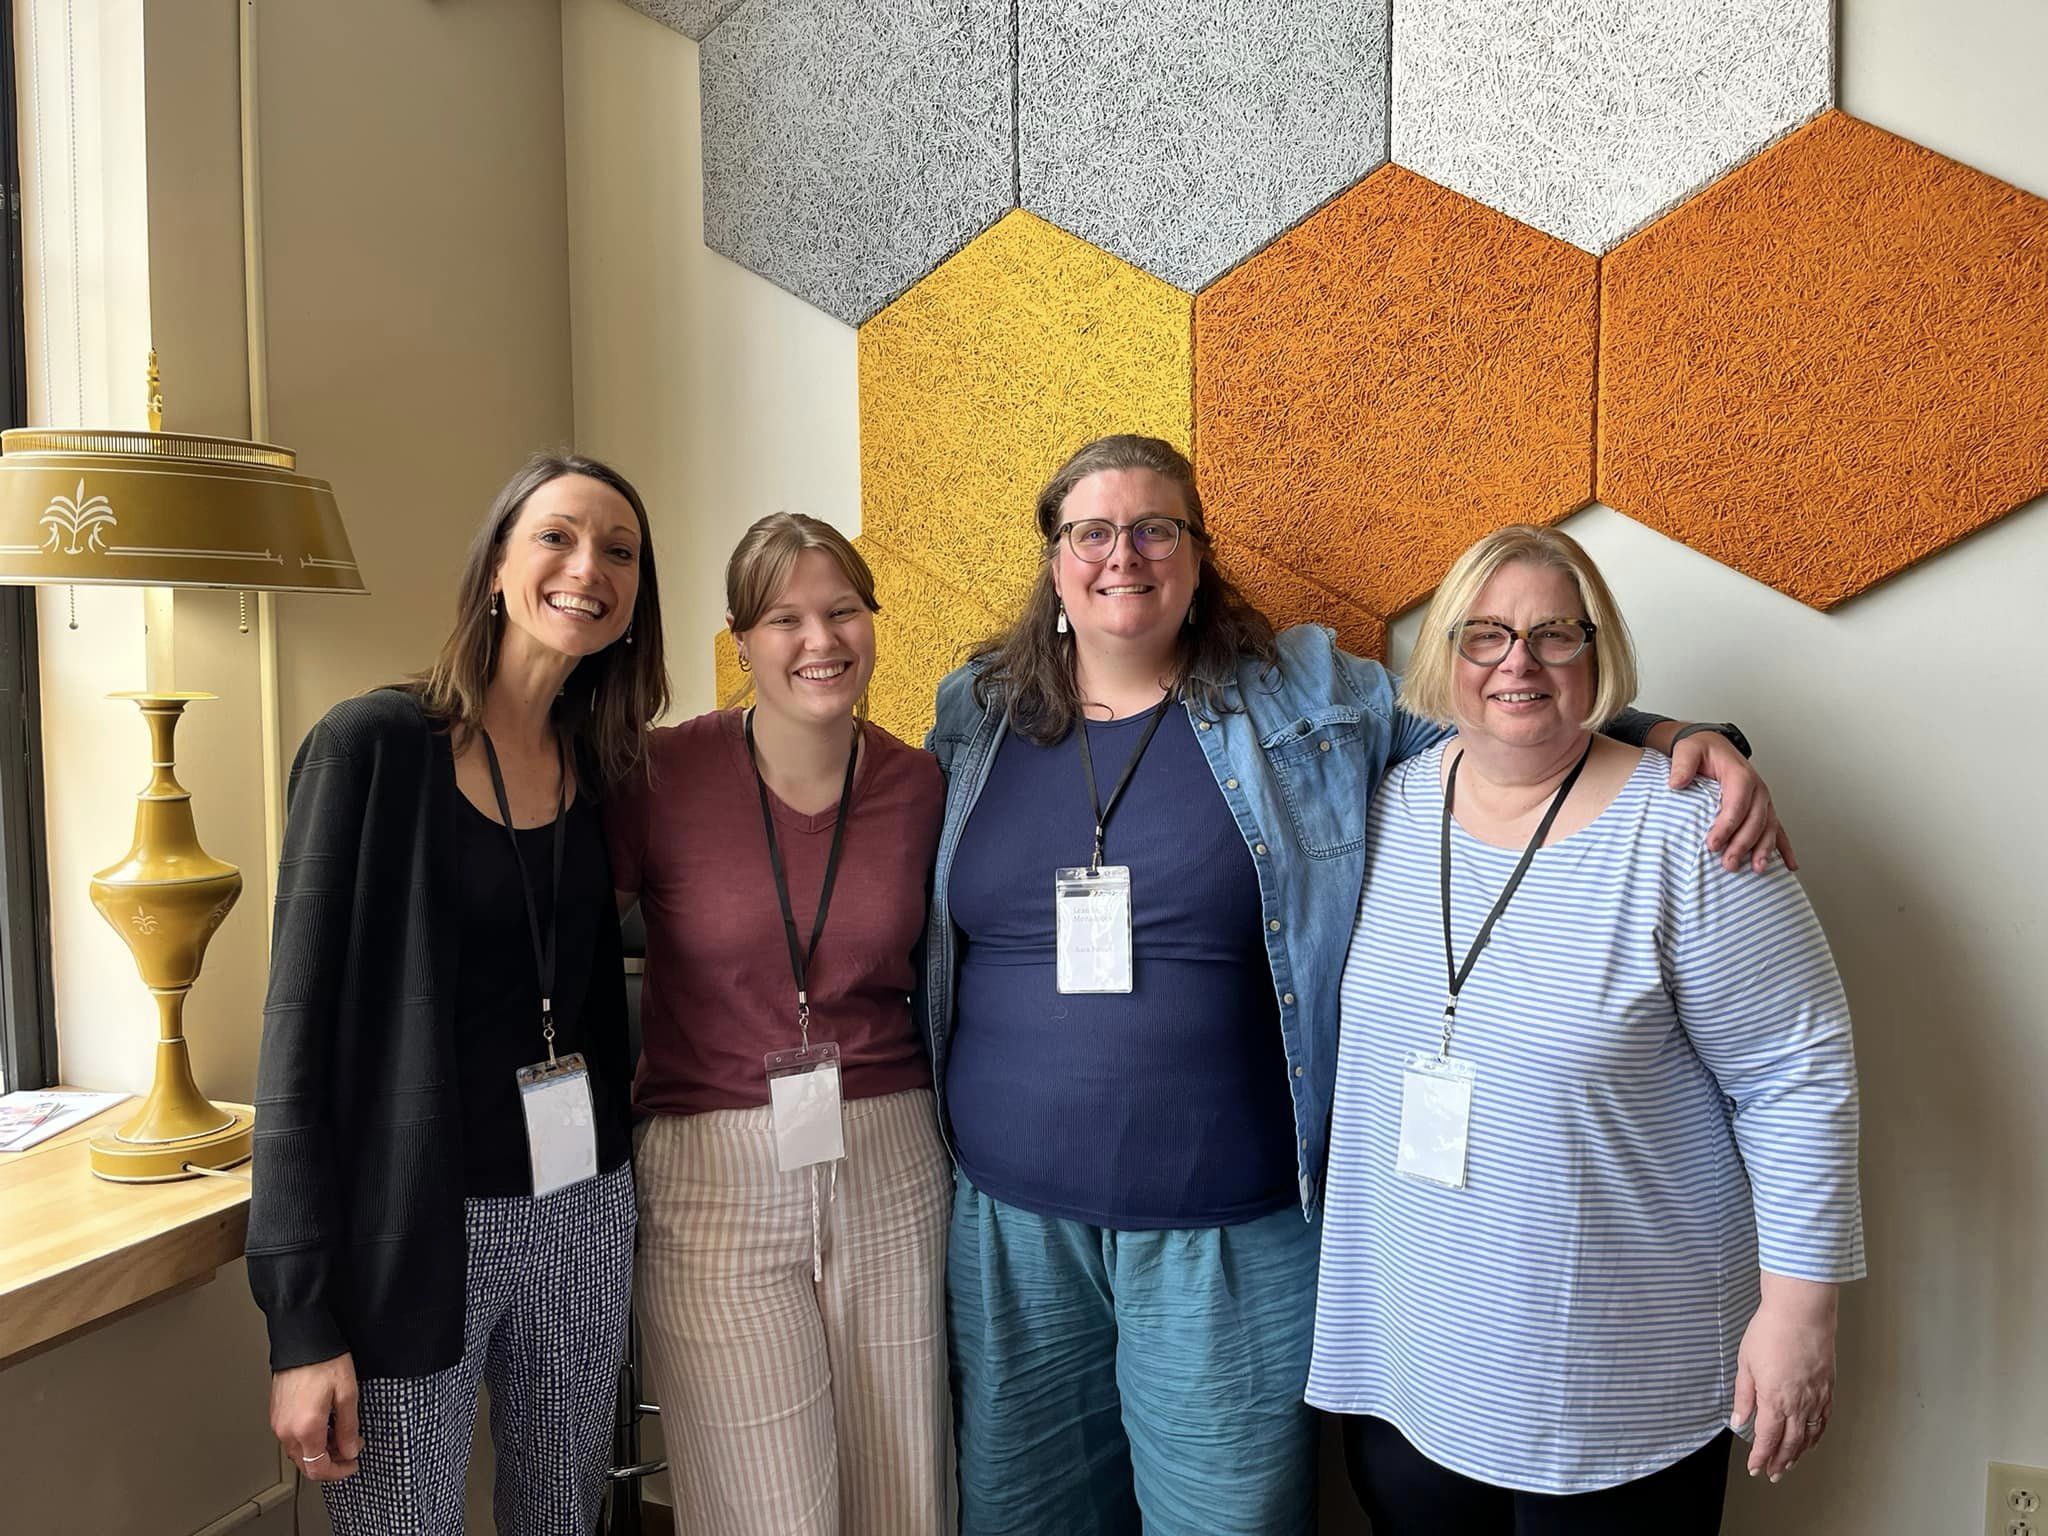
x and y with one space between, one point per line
1785 1373
313 1415
1747 828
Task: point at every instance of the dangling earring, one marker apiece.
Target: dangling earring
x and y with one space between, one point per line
494 602
629 634
1060 627
1191 615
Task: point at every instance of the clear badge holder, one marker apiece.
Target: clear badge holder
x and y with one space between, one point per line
803 1096
1436 1119
561 1126
1092 928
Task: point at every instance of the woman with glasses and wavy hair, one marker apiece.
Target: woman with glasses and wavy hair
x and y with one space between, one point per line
1592 1180
442 1187
1152 849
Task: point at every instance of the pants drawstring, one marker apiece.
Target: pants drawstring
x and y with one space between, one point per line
818 1223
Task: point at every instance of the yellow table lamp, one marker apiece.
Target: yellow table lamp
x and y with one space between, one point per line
94 507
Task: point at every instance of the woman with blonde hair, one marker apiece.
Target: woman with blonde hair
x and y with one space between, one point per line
793 1188
442 1189
1592 1182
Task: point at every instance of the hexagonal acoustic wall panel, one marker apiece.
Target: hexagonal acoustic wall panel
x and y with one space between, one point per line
1404 372
692 18
1830 364
1588 118
977 384
850 147
925 629
1183 135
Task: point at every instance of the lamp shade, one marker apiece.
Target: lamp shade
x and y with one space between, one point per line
99 507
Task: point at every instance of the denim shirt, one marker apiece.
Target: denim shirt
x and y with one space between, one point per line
1296 756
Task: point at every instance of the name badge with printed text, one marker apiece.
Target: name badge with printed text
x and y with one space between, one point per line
1092 928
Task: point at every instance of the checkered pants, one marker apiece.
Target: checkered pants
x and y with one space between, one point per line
545 1318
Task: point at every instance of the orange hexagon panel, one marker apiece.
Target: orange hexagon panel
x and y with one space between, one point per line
1287 597
1829 364
978 382
1403 372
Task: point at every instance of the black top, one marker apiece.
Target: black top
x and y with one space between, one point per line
355 1220
497 1009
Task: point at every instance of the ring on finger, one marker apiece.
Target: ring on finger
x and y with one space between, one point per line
309 1460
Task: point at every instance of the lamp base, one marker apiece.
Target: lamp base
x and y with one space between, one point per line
158 1162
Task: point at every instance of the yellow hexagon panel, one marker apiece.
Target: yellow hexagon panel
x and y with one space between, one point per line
978 382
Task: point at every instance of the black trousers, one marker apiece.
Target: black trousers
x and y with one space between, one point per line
1407 1494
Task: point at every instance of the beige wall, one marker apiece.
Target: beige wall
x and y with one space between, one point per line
1897 732
416 265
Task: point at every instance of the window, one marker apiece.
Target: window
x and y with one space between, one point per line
28 1023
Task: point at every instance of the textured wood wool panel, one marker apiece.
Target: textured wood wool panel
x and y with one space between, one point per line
1588 118
1404 372
980 381
851 147
1830 364
1287 597
692 18
1183 135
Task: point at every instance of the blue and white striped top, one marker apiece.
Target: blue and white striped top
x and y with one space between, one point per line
1665 1098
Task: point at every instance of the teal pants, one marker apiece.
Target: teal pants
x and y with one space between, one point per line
1109 1382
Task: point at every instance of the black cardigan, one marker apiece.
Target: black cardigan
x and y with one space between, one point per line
355 1220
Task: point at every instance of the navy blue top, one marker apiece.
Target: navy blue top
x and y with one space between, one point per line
1167 1106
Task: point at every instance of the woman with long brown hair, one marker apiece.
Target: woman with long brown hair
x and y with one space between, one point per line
793 1189
443 1192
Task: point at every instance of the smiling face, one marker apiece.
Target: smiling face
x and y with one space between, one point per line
813 648
570 571
1518 700
1126 602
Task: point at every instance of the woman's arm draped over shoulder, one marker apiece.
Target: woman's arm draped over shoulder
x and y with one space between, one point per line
295 1226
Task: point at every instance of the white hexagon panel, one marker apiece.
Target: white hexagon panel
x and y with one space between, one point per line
692 18
1183 135
851 146
1589 118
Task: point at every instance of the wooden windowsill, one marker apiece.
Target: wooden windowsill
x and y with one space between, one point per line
78 1250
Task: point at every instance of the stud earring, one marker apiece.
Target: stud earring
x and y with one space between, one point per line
1060 626
745 665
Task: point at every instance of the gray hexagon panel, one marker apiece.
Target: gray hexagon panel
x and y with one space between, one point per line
851 146
692 18
1183 135
1590 118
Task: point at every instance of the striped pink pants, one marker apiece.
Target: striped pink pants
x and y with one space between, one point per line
794 1407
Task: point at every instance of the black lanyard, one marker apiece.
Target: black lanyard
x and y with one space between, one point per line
1454 973
800 958
1103 812
543 954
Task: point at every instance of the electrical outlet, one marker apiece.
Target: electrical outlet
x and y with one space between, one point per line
2016 1501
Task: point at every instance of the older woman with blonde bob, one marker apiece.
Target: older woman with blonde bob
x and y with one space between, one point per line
1592 1180
793 1190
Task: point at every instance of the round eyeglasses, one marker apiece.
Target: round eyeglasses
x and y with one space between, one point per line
1554 643
1094 538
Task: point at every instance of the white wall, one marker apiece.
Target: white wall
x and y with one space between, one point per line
1901 734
